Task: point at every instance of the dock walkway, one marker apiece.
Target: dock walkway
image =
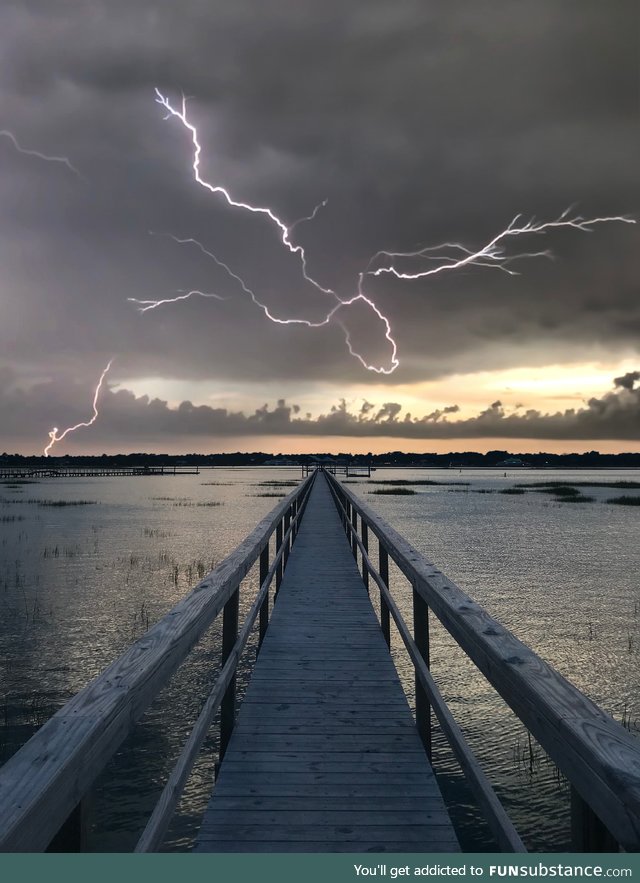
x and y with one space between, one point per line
325 755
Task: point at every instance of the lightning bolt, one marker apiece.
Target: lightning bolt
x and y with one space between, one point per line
145 305
492 254
56 159
285 230
447 256
53 435
340 303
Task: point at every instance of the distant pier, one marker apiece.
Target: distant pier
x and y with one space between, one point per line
9 472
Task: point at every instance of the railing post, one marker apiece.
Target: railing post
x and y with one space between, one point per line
264 607
296 509
347 526
383 568
72 836
229 637
588 834
278 544
421 638
354 533
365 543
287 545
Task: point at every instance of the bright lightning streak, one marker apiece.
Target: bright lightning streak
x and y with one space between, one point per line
57 159
360 296
285 230
145 305
492 254
447 256
53 435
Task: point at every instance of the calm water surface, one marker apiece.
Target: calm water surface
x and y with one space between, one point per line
78 583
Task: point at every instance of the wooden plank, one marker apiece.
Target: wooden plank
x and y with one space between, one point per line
598 756
325 750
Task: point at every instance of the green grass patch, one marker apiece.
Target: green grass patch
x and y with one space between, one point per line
625 501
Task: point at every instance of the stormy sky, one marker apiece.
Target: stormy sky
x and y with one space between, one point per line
420 123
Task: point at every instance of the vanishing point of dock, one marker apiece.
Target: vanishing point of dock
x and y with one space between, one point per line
324 753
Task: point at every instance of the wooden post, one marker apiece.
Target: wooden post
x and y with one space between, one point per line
229 637
365 543
287 545
347 525
264 607
385 620
295 508
354 533
421 637
588 834
72 836
279 567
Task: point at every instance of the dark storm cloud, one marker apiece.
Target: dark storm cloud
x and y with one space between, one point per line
421 122
126 419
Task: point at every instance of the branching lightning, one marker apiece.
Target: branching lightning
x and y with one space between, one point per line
446 257
53 435
493 254
56 159
145 305
285 230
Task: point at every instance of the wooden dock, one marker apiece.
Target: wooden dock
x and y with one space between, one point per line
325 755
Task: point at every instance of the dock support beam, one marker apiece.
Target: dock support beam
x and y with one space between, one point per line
385 619
229 637
421 638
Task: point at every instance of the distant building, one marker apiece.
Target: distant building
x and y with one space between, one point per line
511 461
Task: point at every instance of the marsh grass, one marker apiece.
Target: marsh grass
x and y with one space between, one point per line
401 482
625 501
554 484
513 491
279 496
394 491
55 503
6 519
283 483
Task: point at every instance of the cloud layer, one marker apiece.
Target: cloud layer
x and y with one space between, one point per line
420 123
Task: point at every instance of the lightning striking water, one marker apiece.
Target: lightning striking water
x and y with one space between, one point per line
53 435
446 257
56 159
145 305
492 254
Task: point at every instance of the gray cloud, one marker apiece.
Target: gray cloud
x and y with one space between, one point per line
421 124
125 418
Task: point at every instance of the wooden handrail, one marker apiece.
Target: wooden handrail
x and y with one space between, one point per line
501 825
596 754
159 820
48 777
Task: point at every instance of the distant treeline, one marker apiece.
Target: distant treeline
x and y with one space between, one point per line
592 459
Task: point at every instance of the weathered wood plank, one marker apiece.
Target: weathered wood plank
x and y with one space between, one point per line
598 756
325 750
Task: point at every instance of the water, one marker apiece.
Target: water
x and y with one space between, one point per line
78 583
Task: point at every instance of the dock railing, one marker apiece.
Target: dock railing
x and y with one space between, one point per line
598 756
43 785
